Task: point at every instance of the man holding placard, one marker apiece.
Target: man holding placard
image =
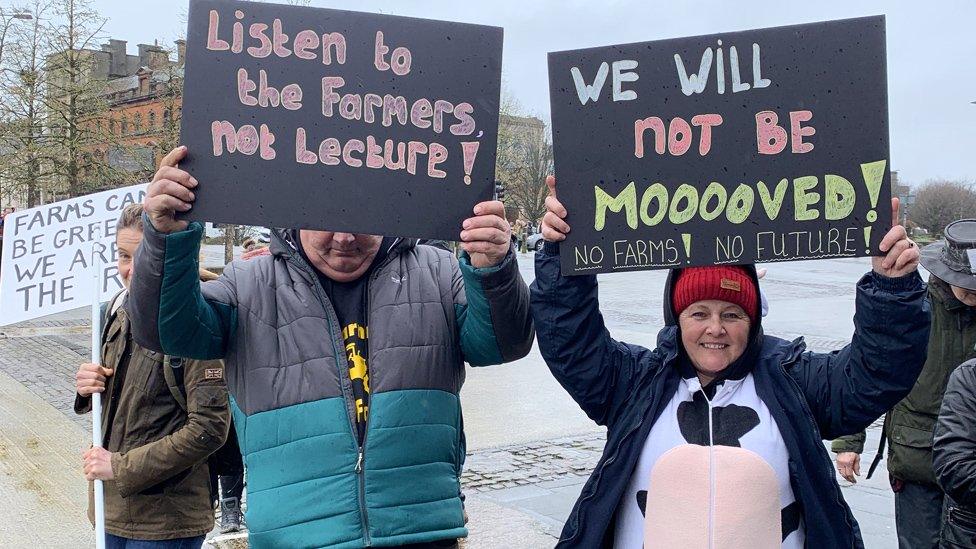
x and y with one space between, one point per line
345 351
345 355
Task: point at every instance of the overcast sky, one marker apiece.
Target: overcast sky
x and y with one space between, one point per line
931 50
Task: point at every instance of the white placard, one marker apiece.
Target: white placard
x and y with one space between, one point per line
47 254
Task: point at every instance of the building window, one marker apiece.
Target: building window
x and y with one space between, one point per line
113 127
125 125
152 120
137 123
167 122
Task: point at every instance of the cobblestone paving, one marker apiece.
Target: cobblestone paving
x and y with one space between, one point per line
53 349
44 356
531 463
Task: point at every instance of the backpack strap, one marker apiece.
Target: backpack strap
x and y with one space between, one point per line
173 373
881 446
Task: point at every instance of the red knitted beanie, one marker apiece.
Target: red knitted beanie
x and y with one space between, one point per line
723 282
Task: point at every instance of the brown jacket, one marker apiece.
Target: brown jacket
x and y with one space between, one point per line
159 451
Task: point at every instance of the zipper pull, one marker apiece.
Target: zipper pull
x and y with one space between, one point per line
359 462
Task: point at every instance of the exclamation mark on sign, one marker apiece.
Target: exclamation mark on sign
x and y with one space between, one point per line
687 240
470 151
873 173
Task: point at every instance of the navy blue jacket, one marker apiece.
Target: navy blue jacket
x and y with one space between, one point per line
812 396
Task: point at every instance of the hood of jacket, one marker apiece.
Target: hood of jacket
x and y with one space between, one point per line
284 244
742 365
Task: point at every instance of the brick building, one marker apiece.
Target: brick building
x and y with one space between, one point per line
144 92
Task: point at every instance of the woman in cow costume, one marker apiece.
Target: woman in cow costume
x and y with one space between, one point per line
714 438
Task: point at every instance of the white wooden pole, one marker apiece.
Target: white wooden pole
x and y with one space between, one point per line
96 352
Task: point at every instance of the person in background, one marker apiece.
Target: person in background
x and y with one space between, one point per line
162 416
908 428
954 458
3 217
227 482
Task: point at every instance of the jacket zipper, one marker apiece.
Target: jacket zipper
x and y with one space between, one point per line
363 516
809 415
711 472
608 462
360 456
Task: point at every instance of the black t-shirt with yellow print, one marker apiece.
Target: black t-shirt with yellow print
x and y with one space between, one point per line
349 301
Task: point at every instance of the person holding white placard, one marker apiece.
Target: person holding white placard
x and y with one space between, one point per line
162 417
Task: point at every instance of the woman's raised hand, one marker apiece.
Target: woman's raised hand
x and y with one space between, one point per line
554 226
901 252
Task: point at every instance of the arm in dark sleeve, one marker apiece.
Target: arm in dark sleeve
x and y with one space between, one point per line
83 404
167 308
594 368
850 443
492 308
954 448
850 388
205 430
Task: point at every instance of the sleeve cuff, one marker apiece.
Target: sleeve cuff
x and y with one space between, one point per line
83 404
118 477
905 283
465 261
151 234
550 248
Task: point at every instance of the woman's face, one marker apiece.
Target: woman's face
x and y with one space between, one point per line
714 334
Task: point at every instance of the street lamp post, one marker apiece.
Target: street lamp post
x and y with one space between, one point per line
7 20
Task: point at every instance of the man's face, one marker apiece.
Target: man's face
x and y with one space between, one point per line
342 257
966 296
127 240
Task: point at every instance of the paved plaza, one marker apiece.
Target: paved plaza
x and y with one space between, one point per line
530 448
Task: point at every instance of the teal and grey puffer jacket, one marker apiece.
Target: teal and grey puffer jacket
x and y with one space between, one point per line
309 483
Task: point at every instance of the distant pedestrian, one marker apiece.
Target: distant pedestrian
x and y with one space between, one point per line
908 428
3 217
162 416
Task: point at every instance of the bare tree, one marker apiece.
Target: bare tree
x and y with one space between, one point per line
527 186
941 202
506 155
523 161
79 122
171 98
9 16
25 154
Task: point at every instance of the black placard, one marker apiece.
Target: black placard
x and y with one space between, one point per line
405 146
798 125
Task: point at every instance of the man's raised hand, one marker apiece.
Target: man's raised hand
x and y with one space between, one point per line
487 236
170 193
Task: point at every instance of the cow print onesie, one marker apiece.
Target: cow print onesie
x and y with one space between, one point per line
740 420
